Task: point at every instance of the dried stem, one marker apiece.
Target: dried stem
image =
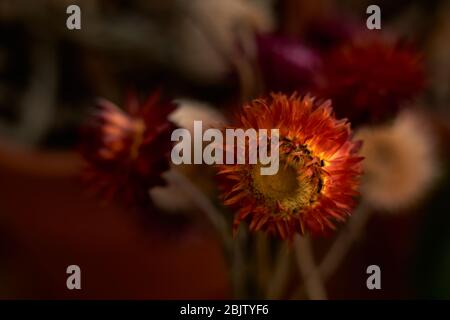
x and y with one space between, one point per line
277 283
239 269
341 246
204 204
344 241
262 261
232 248
308 269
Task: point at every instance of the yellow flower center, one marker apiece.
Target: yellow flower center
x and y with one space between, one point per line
292 188
279 186
138 136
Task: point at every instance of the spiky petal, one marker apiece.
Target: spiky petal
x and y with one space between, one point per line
369 80
127 150
318 175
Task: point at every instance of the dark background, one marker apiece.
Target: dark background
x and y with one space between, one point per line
49 78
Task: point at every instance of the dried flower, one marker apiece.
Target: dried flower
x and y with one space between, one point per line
170 197
210 33
329 32
318 174
370 79
286 65
127 150
400 162
189 111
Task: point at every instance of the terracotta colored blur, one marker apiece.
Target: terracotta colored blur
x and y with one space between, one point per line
47 223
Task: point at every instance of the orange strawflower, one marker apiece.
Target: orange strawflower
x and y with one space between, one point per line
318 174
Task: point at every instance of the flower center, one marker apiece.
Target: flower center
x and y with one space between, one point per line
138 136
296 185
279 186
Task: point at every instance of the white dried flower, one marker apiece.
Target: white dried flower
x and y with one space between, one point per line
171 198
400 162
189 111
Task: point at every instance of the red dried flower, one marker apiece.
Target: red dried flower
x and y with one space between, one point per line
318 172
127 150
286 65
328 32
369 80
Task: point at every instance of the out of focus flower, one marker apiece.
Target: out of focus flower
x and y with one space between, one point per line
318 173
370 79
438 58
400 162
127 150
210 33
327 33
286 65
189 111
170 197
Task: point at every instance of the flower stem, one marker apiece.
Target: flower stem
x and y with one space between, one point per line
262 262
232 248
344 241
204 204
280 276
308 269
341 246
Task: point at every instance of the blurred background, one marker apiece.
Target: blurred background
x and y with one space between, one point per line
213 55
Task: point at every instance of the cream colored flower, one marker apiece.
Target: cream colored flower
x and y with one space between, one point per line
171 198
400 162
189 111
